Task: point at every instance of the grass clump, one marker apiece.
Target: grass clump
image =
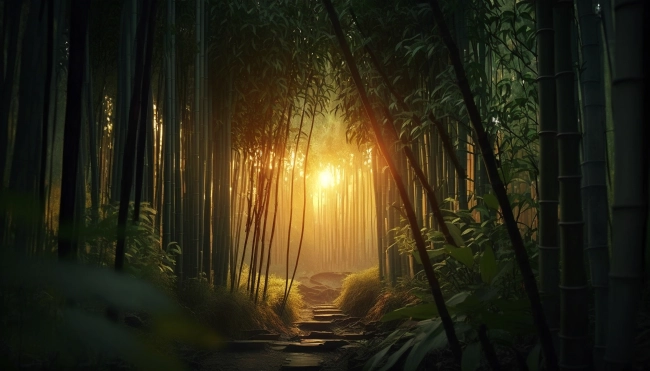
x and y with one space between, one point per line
359 292
231 313
389 300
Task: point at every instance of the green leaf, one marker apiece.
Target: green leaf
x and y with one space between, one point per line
433 338
462 254
374 360
488 265
396 356
455 234
420 311
471 359
491 201
533 358
432 254
458 299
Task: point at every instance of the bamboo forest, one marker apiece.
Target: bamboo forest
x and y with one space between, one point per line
324 185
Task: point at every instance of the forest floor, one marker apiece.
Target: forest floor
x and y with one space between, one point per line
322 339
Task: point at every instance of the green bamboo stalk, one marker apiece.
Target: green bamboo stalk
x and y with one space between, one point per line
630 209
594 168
549 249
574 323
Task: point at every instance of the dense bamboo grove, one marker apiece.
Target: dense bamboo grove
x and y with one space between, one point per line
491 154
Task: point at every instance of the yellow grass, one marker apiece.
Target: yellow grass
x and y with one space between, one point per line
359 292
231 313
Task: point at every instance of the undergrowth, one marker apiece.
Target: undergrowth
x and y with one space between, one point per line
231 313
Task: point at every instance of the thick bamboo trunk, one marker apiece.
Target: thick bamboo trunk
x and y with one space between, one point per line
594 168
630 209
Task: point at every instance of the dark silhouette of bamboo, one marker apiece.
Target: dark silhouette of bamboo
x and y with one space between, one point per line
521 256
144 112
574 322
594 168
147 15
630 210
549 247
304 204
72 131
417 235
488 349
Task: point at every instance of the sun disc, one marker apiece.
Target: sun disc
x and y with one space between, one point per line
326 179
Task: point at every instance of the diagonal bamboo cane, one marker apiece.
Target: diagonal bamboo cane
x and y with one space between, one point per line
499 190
410 213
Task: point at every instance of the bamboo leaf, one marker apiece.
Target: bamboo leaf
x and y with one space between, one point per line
533 358
471 357
491 201
488 265
433 338
455 233
419 312
462 254
396 356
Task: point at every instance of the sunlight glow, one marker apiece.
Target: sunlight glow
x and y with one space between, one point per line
326 178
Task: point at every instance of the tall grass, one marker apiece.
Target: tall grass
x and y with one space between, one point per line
231 313
359 292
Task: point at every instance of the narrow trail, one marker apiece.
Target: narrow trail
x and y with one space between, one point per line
324 333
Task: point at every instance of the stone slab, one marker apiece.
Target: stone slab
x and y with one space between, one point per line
355 336
346 321
265 337
314 325
320 335
328 317
302 362
327 311
245 345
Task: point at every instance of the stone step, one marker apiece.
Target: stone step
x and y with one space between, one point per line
325 306
245 345
250 333
346 321
327 311
265 337
302 362
328 317
314 325
354 336
326 344
320 335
